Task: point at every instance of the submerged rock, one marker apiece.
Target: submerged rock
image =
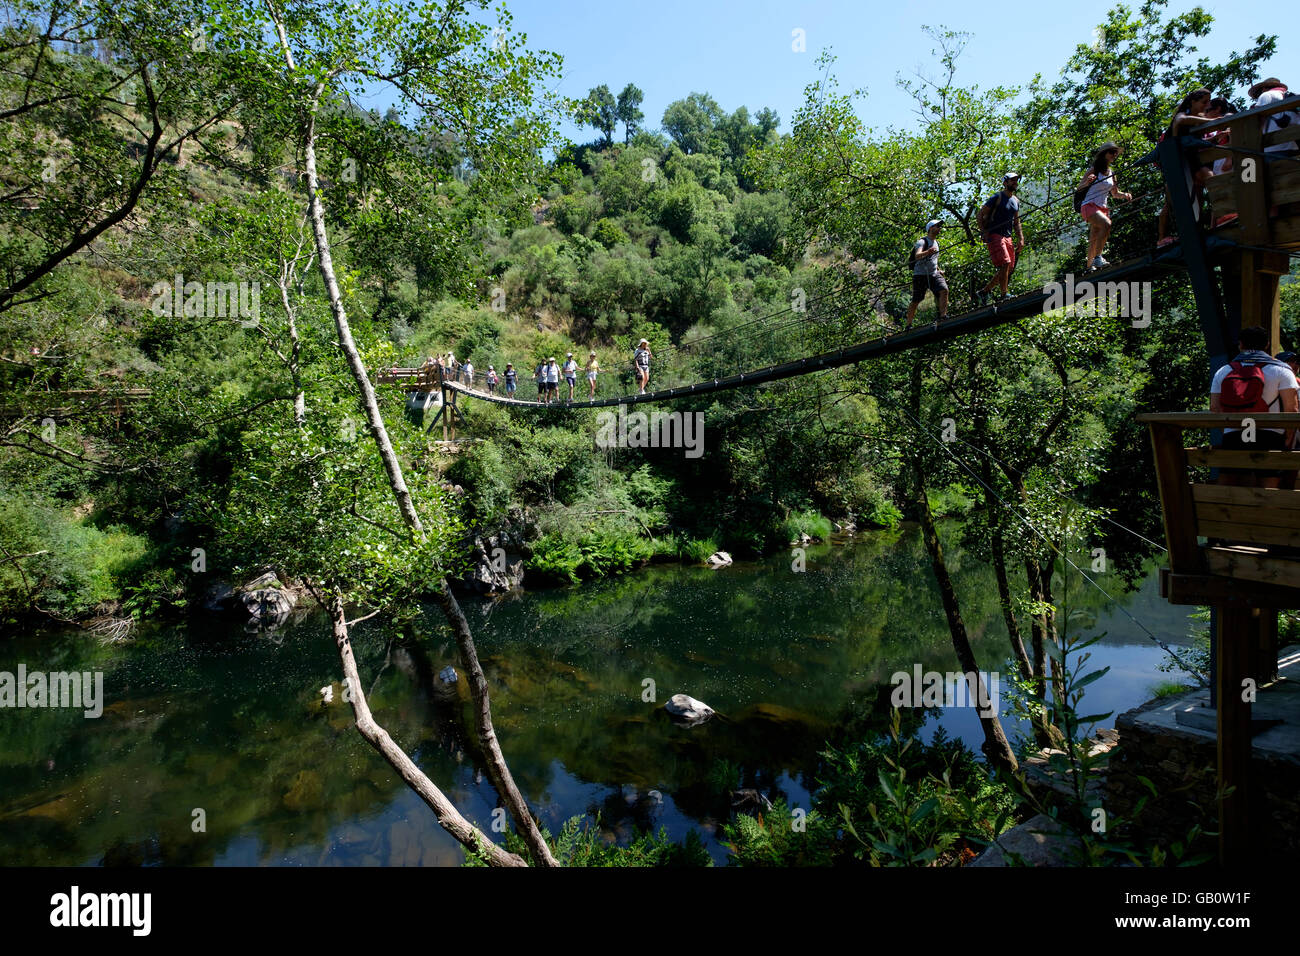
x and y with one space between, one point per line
688 710
719 559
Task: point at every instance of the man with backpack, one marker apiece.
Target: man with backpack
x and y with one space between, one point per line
1254 383
999 217
926 276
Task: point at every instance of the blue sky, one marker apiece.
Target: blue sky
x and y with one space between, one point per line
740 51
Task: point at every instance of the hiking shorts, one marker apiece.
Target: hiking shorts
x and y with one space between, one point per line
571 379
923 284
1091 208
1002 250
1265 440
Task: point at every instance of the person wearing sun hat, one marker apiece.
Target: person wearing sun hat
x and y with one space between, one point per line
641 364
926 276
570 370
1265 93
999 217
1098 185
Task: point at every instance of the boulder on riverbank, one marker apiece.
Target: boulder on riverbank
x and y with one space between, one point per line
687 710
265 601
719 559
496 560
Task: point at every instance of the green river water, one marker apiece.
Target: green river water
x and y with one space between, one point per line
210 717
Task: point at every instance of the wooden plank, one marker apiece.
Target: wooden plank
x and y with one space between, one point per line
1253 565
1287 135
1221 419
1247 515
1258 534
1266 460
1175 498
1272 498
1197 589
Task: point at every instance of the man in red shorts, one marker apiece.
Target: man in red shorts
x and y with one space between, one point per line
999 217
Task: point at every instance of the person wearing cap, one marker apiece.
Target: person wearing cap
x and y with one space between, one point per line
999 217
926 276
552 380
641 364
512 380
469 372
570 373
1100 183
491 380
1266 93
592 368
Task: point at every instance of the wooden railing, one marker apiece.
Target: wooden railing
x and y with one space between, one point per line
1272 187
425 379
1252 533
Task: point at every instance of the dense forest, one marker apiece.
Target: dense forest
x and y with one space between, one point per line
155 441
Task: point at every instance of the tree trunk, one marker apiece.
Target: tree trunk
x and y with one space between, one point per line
497 769
448 816
996 747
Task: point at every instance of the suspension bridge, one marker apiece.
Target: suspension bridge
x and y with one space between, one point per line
1236 548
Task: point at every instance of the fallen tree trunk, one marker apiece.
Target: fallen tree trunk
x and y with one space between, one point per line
448 816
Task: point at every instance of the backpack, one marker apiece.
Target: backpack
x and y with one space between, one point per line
1079 195
911 253
1242 389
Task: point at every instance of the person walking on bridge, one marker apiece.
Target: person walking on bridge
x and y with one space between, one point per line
552 380
1100 184
570 373
512 380
540 379
469 373
999 217
592 368
926 276
641 364
491 380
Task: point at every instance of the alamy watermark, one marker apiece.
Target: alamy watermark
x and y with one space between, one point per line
978 689
211 300
622 429
55 689
1121 300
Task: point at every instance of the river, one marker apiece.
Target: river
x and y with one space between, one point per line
214 746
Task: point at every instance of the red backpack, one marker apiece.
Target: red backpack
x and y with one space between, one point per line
1242 389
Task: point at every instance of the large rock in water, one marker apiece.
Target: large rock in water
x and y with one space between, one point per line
688 710
264 600
719 559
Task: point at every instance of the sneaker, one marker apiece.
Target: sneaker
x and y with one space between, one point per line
981 299
1099 263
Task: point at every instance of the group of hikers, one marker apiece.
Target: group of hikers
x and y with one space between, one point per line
999 216
547 375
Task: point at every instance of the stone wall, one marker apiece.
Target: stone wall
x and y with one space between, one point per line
1180 762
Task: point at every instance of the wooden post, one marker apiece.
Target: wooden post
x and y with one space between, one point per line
1252 175
1236 628
1178 509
